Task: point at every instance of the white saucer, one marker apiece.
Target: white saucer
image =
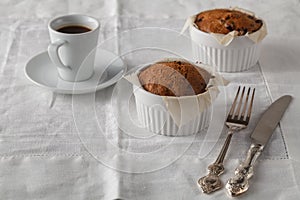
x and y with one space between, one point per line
109 68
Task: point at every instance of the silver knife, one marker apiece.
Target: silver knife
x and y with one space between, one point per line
263 131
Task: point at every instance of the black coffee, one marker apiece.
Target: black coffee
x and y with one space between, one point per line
74 29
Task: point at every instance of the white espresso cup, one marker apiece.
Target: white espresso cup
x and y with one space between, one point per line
73 39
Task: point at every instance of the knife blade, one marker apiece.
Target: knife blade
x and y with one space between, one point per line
269 120
262 133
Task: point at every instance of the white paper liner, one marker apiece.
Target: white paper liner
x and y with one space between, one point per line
185 108
225 40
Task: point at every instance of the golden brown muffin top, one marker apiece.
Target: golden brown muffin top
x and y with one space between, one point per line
224 21
174 78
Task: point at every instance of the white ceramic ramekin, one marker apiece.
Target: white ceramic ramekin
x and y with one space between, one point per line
241 54
154 116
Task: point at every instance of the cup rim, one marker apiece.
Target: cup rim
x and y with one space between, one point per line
78 15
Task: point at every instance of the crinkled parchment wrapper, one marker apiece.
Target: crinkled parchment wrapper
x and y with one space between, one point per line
185 108
225 40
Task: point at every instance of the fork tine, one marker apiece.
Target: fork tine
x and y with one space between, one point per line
234 103
250 107
245 104
240 104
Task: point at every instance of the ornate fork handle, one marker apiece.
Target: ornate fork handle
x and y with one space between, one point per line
237 119
240 182
212 182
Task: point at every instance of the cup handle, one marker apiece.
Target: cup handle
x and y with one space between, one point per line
53 54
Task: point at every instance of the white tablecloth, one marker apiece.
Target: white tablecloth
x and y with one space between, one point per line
60 152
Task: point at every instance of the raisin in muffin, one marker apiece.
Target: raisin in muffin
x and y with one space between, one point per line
174 78
224 21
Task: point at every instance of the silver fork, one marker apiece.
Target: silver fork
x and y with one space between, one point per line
237 120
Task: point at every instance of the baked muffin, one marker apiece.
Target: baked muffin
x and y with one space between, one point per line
224 21
227 53
174 78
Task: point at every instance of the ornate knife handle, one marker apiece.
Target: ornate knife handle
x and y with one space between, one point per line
240 182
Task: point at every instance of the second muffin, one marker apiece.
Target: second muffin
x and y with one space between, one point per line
174 96
174 78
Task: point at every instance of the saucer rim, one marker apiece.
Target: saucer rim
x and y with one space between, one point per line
100 86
